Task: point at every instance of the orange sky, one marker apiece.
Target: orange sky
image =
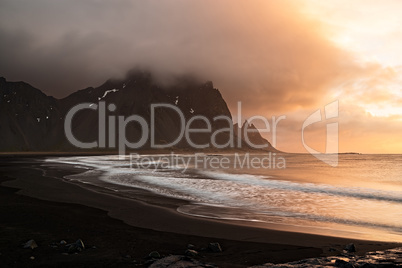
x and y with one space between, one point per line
364 73
288 57
371 103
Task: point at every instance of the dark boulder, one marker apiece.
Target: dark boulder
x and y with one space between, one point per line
215 247
31 244
350 248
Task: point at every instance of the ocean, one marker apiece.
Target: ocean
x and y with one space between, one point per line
361 198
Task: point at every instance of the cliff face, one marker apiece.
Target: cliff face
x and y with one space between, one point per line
29 120
254 138
32 121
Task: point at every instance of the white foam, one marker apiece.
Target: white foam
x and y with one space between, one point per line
263 181
242 196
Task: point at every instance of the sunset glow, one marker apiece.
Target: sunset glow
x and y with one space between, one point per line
201 133
370 30
276 57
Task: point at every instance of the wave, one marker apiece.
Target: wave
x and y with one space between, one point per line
265 181
227 213
247 197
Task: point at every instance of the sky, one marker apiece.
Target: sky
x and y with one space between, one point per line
279 58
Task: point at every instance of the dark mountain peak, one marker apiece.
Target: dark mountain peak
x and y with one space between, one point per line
28 117
254 136
88 89
30 120
248 125
25 90
133 78
208 84
251 126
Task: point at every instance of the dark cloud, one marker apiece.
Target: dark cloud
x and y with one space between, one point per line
264 53
267 54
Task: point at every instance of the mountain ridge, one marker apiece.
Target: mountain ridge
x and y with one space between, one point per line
32 121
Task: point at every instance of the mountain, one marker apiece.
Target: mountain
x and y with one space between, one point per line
29 120
253 136
33 121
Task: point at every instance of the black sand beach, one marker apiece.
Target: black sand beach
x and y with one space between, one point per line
120 232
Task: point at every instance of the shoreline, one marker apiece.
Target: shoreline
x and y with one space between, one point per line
32 184
175 205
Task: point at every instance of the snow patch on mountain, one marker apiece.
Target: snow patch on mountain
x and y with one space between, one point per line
107 92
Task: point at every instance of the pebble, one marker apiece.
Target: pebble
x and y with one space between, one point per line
179 261
215 247
154 255
191 253
76 247
350 248
376 259
31 244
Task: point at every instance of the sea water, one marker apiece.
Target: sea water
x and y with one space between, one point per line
360 198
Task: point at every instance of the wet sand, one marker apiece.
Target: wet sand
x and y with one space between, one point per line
34 205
